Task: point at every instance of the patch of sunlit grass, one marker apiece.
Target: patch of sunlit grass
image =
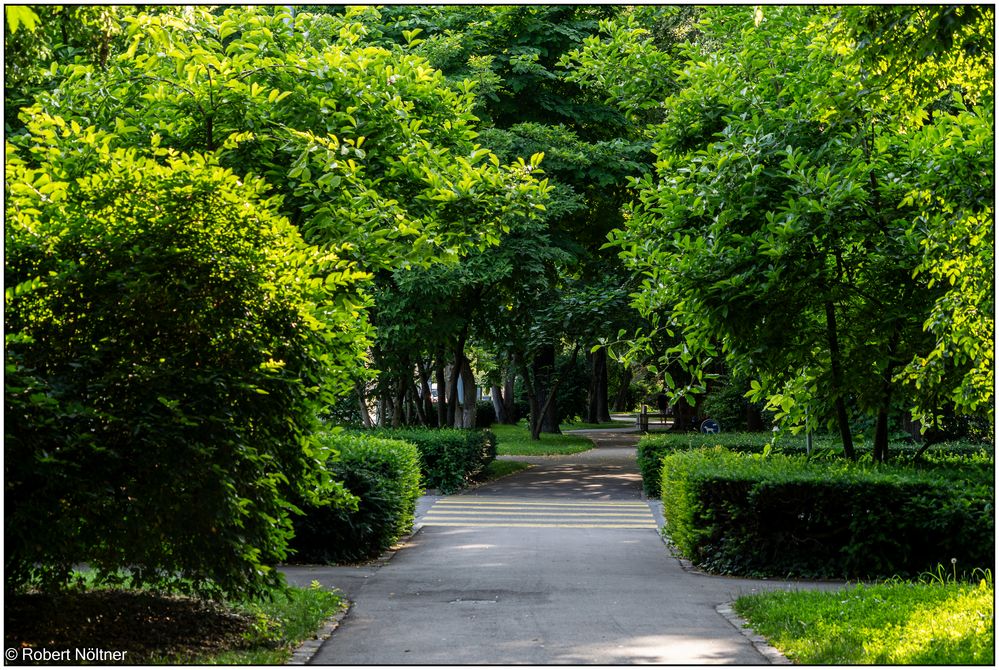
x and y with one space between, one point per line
896 623
516 441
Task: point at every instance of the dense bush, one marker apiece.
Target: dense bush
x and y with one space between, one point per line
786 516
449 457
485 414
653 448
385 476
167 346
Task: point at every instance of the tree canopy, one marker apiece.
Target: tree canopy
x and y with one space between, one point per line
795 223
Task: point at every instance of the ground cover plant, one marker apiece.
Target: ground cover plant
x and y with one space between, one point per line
155 628
938 622
779 515
516 441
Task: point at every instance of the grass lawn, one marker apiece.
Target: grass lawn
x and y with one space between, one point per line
498 469
166 629
597 426
516 441
886 624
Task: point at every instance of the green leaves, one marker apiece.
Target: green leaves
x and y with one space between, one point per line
779 227
18 15
170 347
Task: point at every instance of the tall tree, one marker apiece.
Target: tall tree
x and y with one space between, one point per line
780 230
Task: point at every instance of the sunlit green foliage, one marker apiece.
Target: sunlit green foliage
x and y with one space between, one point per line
373 153
886 624
192 220
803 216
169 339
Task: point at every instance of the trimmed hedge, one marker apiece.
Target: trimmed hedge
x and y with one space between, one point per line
449 457
785 516
653 448
385 475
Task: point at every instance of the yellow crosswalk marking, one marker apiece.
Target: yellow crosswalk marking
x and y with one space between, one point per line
617 515
453 512
481 524
543 504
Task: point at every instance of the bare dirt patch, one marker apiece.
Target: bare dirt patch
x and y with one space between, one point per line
148 627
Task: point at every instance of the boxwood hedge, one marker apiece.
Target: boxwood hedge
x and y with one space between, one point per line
653 448
385 475
449 457
785 516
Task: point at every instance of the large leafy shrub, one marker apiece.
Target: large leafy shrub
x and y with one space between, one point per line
167 347
385 477
785 516
449 457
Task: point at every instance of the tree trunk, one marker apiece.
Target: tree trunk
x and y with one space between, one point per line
544 371
362 405
457 368
837 382
452 395
399 400
535 409
601 411
509 391
499 405
425 401
547 419
549 411
470 396
591 391
621 403
684 415
754 420
884 411
417 403
533 406
441 389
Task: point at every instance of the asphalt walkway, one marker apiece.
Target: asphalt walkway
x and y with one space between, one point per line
561 563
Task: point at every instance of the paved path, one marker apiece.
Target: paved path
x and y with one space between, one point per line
561 563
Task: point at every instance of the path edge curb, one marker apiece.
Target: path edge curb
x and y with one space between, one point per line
306 651
768 651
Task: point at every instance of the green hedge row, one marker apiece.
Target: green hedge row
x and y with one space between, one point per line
385 475
653 448
786 516
449 457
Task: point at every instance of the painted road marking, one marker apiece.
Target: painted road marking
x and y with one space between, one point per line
617 515
553 524
447 501
536 514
